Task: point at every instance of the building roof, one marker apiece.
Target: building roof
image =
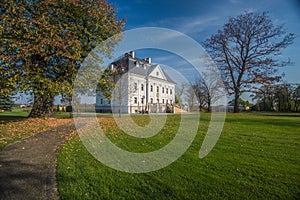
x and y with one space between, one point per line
146 71
139 66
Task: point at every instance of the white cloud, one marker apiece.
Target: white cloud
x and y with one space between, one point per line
189 25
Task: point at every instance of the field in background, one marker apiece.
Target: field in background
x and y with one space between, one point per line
256 157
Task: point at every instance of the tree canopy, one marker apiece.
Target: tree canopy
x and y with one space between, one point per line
246 51
44 42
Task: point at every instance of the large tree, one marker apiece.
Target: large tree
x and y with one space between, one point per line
246 51
43 43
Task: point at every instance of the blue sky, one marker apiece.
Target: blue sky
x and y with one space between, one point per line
201 18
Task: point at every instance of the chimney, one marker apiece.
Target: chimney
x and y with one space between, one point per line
148 60
131 53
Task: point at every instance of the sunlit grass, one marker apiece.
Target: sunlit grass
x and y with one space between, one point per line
256 157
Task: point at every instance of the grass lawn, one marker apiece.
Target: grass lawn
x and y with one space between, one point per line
256 157
16 113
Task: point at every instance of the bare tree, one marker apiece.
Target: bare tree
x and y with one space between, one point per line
191 97
245 51
208 87
179 90
201 93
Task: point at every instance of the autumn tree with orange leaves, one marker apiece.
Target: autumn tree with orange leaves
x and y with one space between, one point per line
44 42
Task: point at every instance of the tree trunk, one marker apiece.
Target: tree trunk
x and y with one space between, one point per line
236 103
42 106
208 103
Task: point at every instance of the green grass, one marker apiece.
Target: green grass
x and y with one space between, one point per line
19 113
15 114
256 157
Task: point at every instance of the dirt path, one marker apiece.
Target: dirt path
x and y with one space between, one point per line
27 167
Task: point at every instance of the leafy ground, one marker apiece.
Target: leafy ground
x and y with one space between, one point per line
256 157
15 126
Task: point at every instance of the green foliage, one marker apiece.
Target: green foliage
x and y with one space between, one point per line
282 97
106 83
257 157
69 109
6 103
44 42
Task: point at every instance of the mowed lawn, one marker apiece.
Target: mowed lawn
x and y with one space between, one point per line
256 157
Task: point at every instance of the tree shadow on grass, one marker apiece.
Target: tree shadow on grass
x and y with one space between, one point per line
5 119
283 115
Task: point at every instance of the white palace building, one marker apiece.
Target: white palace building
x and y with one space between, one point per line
143 88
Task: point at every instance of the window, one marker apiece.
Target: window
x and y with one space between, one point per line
142 87
142 100
157 89
157 73
135 86
157 100
151 100
167 90
135 100
101 101
167 101
163 100
108 101
151 88
171 91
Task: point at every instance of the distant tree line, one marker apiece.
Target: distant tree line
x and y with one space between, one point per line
281 97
